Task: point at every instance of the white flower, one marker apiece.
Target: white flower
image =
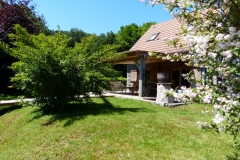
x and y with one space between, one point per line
226 53
219 25
218 118
238 33
216 106
237 44
220 129
199 123
212 55
224 99
150 53
235 103
223 45
207 23
232 29
225 108
207 98
170 2
151 2
183 87
219 37
228 37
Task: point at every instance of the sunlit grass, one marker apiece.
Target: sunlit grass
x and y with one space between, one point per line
112 128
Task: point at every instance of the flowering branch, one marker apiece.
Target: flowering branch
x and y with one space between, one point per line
212 34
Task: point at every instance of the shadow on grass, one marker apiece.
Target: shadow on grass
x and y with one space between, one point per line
234 156
76 112
7 109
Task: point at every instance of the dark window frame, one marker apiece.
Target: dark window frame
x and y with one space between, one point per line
153 36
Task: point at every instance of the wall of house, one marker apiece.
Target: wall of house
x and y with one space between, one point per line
174 70
129 68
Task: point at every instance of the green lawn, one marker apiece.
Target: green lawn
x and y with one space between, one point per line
112 128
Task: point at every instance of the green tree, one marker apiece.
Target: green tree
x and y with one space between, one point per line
144 27
127 37
110 38
76 36
56 74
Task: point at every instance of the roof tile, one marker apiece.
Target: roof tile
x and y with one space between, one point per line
167 29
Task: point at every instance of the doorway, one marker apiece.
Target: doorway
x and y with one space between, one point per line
178 80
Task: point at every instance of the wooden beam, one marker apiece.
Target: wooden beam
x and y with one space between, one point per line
142 76
137 64
180 77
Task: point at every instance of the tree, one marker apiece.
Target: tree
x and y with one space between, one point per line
212 33
144 27
19 12
56 74
108 38
127 37
15 12
76 36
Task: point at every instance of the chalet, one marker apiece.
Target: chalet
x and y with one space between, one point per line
142 69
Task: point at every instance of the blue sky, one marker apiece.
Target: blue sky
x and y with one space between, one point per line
99 16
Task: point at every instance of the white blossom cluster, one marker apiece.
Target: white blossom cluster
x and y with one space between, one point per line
186 95
171 3
213 39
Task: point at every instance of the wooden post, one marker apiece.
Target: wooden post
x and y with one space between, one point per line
144 57
141 68
180 77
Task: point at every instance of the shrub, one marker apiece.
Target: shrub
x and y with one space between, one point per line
56 74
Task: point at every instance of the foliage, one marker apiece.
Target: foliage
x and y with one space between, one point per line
10 97
16 12
123 80
108 38
127 37
56 74
144 27
212 33
74 34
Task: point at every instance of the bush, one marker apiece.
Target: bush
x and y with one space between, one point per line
123 80
55 74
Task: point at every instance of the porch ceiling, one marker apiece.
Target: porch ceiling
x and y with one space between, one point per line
132 56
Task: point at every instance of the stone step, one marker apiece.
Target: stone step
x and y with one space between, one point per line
14 102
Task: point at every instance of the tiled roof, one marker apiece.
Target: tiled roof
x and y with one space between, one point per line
167 29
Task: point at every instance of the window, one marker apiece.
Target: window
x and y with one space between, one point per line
153 36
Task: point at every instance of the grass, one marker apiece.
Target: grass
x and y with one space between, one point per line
11 96
112 128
